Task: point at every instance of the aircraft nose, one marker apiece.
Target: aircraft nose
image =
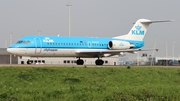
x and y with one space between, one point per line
10 50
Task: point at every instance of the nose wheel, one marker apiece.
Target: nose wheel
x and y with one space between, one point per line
29 62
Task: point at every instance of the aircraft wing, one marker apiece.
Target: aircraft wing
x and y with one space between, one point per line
106 52
102 52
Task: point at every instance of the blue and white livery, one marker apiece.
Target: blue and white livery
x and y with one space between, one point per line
82 47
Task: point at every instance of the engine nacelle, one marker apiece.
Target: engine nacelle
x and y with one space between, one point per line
115 44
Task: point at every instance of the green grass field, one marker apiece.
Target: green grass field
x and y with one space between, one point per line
89 84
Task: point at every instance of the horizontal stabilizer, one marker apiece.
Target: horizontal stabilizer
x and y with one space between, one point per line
156 21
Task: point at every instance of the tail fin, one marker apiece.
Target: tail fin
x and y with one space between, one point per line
139 29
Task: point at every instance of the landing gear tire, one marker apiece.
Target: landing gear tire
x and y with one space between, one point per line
29 62
99 62
80 62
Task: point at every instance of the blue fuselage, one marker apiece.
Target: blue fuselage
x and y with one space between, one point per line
68 42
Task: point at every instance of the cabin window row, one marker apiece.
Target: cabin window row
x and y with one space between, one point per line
73 44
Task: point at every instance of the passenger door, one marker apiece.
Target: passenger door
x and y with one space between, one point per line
38 45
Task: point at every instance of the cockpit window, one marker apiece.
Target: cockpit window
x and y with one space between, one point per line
23 42
19 42
26 42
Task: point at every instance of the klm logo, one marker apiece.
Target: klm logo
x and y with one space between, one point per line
121 44
46 39
138 31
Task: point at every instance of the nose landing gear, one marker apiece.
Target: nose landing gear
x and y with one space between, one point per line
29 62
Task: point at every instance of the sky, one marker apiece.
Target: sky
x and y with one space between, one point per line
102 18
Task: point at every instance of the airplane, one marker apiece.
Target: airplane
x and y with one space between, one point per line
82 47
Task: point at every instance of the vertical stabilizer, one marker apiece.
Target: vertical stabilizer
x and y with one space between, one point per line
139 29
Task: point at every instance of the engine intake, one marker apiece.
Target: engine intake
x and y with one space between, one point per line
115 44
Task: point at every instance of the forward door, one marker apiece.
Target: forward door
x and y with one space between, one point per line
38 45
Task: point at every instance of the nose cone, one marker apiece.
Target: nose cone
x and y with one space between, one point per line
10 50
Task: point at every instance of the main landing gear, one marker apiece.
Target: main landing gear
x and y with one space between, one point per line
80 62
97 62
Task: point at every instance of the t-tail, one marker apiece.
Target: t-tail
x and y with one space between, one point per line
139 29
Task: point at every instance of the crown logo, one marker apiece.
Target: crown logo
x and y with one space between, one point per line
138 27
46 39
121 44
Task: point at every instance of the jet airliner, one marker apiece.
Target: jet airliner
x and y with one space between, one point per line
82 47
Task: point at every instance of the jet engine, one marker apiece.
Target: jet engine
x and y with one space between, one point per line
115 45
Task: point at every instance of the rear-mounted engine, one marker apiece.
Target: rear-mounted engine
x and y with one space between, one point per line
116 45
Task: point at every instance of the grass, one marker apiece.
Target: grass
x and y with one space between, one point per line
89 84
